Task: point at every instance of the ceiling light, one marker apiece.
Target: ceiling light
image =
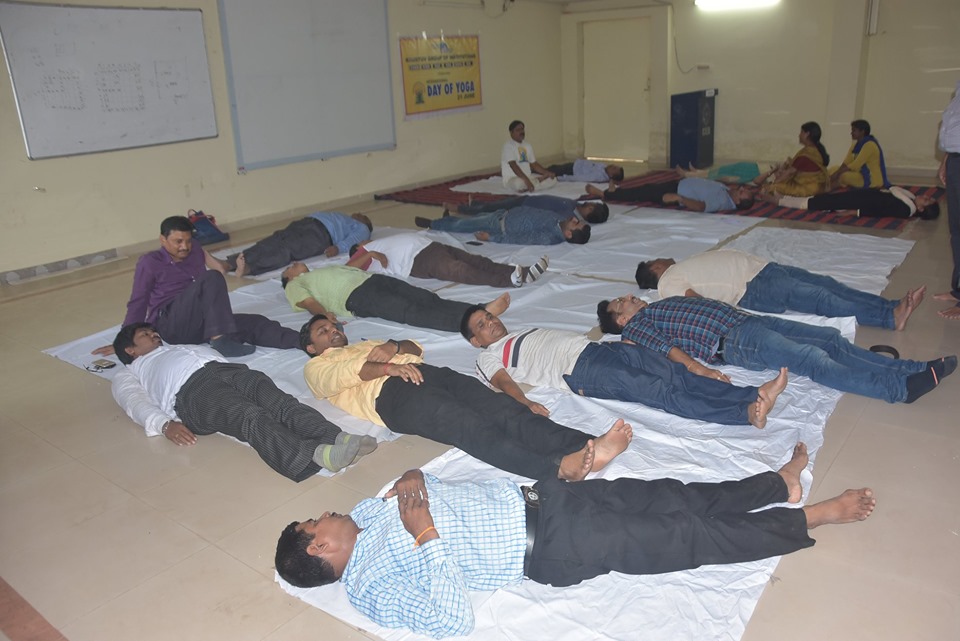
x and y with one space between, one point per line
732 5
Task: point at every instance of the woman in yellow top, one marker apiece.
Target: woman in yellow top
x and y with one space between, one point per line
803 175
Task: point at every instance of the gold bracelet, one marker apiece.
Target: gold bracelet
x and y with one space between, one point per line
416 543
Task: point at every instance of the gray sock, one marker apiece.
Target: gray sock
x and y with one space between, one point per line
367 443
337 456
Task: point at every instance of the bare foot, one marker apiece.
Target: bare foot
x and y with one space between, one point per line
770 391
612 443
952 313
576 466
916 296
499 304
241 265
791 473
852 505
907 304
945 296
757 413
596 192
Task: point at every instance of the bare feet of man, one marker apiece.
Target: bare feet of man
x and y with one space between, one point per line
767 398
791 473
952 313
499 305
611 444
576 466
908 303
851 506
241 265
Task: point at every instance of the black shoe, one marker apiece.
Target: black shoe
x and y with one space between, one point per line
231 348
943 366
420 221
920 384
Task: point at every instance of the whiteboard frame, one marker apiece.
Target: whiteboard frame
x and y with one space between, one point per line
43 141
243 165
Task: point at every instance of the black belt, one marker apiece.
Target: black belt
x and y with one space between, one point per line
953 154
531 498
719 352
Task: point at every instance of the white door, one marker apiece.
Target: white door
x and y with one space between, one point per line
616 85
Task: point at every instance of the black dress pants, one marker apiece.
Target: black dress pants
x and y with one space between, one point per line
300 239
652 193
233 399
459 410
650 527
394 300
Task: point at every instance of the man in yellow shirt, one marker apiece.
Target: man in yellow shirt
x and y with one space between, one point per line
389 384
863 166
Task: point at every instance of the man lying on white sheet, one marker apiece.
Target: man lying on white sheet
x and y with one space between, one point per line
615 370
180 391
412 562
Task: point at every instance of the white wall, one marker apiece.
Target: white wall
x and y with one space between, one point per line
805 60
101 201
777 68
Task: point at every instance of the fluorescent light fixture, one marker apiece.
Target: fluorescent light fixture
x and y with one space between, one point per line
733 5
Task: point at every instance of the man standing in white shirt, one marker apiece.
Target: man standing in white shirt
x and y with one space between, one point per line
950 176
180 391
519 166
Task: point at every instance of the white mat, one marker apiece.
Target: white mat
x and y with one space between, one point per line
708 603
494 185
858 260
712 603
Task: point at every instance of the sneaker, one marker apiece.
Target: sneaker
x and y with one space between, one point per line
422 222
519 275
535 271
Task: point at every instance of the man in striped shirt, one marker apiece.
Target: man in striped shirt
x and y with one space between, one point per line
684 328
615 370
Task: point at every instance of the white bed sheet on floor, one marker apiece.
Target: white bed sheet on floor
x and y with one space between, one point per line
713 602
630 235
708 603
494 185
858 260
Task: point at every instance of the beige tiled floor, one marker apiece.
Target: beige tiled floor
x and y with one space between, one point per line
114 536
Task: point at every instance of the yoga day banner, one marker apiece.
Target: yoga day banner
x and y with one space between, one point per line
440 75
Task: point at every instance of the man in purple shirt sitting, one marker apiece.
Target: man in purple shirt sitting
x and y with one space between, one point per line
174 291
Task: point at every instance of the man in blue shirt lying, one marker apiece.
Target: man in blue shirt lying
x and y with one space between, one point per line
695 194
517 226
411 558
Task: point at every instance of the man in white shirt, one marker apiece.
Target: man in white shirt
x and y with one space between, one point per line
519 166
615 370
415 255
738 278
180 391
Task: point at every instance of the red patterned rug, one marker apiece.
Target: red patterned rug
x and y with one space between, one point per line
441 193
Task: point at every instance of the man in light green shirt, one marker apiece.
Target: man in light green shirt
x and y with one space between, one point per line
341 290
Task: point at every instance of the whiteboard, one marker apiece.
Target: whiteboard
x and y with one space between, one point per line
90 79
308 79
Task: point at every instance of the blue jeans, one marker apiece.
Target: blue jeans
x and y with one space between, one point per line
778 288
764 342
492 223
635 374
